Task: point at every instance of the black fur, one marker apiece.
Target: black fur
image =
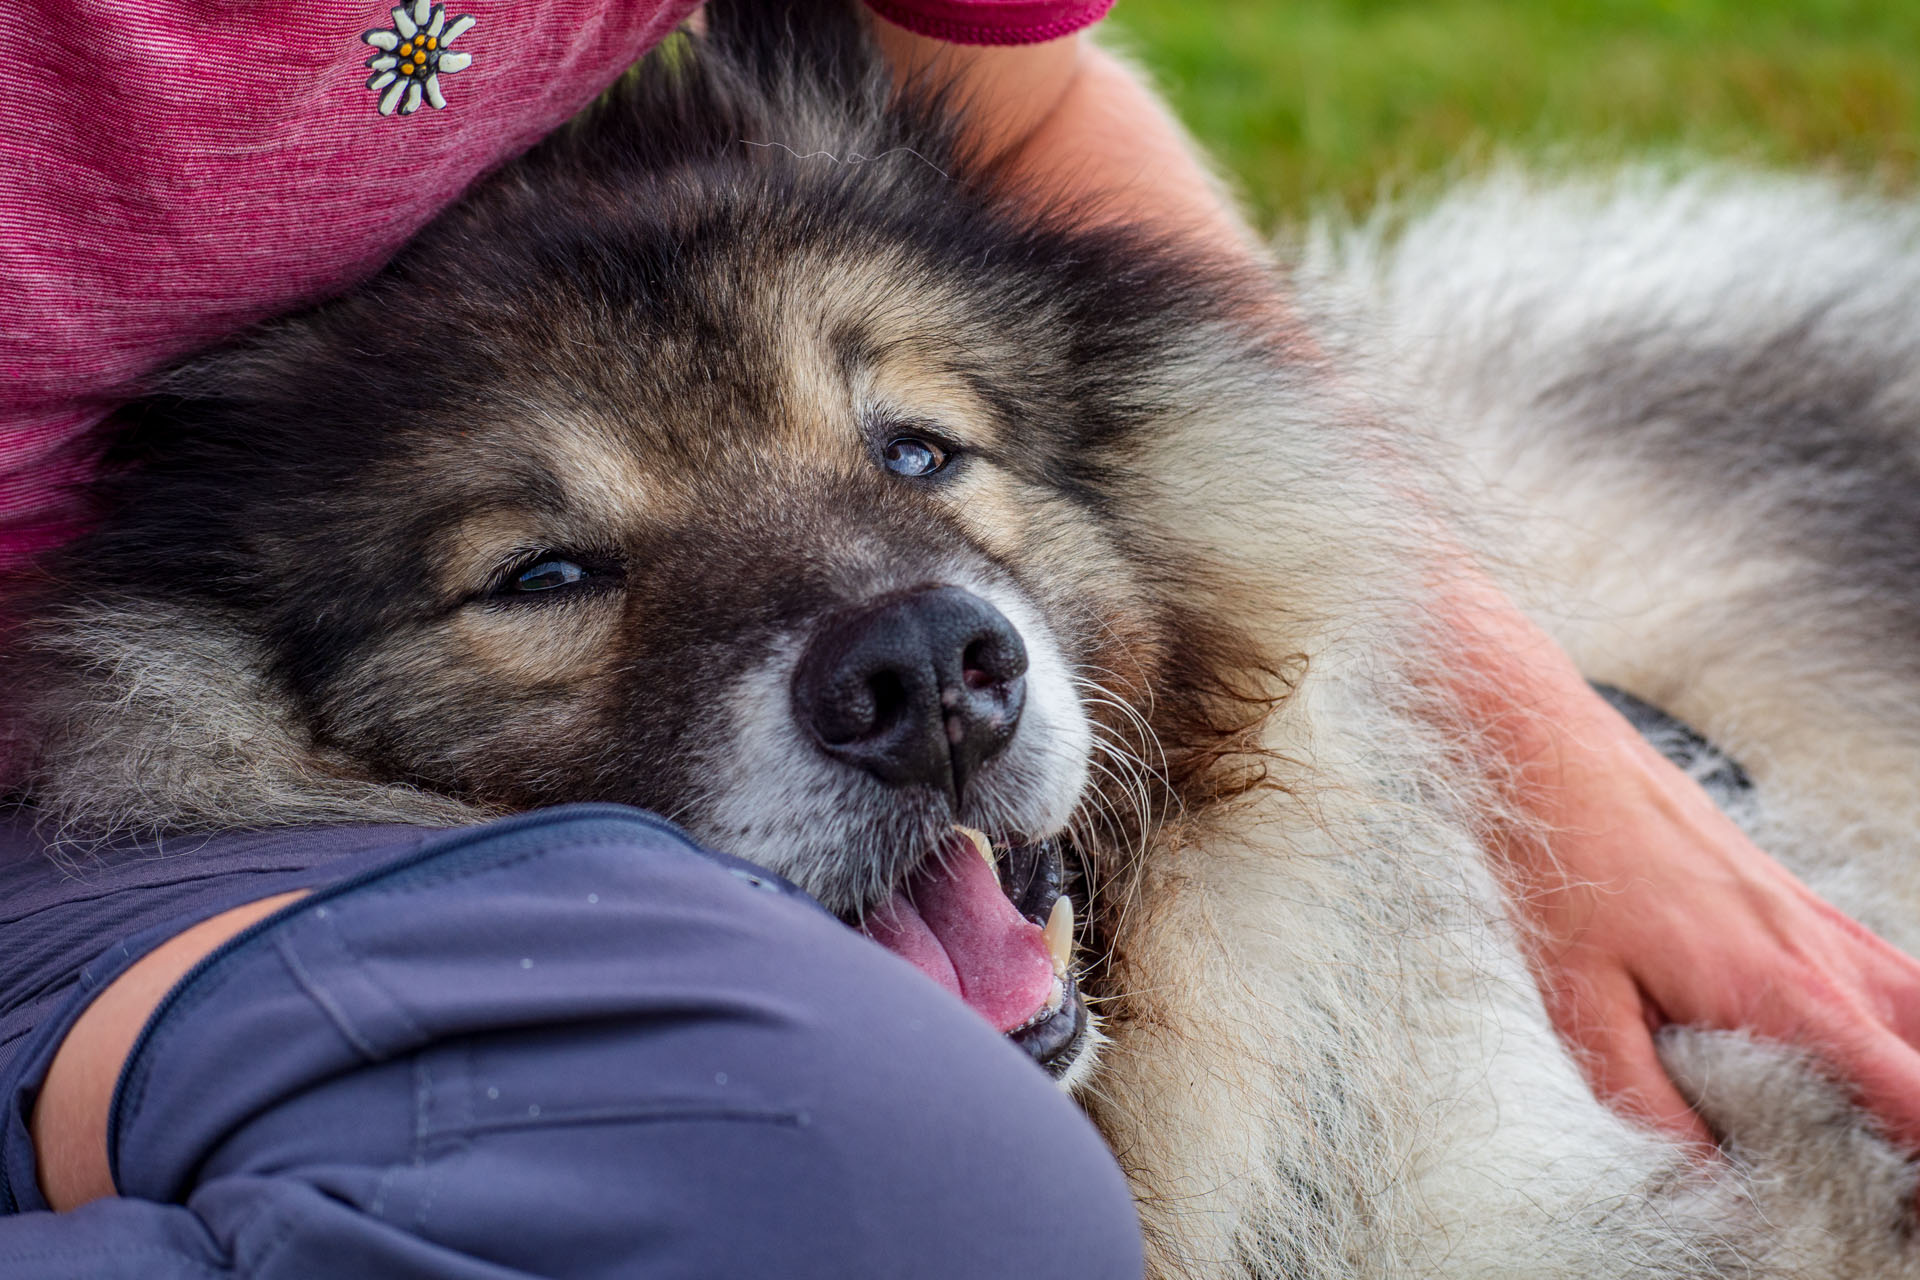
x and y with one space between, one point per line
298 487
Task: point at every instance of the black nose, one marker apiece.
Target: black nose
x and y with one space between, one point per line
917 688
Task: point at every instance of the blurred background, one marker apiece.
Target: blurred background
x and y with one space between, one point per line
1317 105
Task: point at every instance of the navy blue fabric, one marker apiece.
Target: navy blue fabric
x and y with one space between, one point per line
58 912
572 1044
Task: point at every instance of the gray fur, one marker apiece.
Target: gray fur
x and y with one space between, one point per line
168 724
1681 415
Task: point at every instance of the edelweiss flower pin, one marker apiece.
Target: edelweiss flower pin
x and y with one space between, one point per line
413 55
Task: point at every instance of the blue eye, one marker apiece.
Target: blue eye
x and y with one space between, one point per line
907 456
550 575
547 575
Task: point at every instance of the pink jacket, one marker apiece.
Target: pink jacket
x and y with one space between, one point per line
173 170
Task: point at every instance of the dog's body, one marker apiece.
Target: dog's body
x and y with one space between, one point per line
582 496
1684 414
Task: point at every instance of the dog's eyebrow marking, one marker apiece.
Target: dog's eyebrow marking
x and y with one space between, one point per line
853 157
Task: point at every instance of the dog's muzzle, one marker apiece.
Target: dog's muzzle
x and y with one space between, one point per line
919 688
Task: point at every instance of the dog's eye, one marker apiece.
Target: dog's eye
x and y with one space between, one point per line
547 575
910 456
555 575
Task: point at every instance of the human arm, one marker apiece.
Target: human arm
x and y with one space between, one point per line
70 1113
1647 905
1070 123
394 1077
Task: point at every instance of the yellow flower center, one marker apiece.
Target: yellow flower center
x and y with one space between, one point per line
406 50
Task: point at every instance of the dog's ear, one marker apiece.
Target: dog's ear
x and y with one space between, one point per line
825 42
828 88
799 79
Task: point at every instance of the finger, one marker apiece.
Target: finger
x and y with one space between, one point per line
1605 1021
1893 986
1885 1073
1625 1071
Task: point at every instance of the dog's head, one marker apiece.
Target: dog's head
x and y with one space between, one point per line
736 456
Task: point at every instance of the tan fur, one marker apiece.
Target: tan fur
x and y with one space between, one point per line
1325 1056
175 733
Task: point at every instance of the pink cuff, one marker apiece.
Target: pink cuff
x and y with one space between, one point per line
992 21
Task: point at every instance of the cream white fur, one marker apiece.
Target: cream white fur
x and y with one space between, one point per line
1326 1058
1333 1062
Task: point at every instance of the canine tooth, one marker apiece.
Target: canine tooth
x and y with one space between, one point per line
1060 933
979 841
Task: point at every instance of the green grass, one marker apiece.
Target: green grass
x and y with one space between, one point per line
1310 102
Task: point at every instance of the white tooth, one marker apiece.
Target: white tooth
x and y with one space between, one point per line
979 841
1060 934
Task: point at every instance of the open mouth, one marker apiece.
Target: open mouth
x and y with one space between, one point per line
995 929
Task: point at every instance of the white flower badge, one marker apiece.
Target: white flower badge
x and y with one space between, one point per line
413 55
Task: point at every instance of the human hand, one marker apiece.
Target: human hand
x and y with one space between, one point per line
1648 906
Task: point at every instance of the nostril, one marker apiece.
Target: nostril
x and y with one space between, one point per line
974 670
850 710
890 699
989 660
917 688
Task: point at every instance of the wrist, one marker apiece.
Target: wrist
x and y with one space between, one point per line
1069 127
1111 148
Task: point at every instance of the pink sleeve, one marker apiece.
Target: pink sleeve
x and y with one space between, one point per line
992 21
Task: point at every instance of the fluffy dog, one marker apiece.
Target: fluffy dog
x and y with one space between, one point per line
745 454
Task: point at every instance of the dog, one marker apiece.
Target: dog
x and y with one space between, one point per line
746 453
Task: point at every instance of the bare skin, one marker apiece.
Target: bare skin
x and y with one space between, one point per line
1649 907
70 1116
1073 125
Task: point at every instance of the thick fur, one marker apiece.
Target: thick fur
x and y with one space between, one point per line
669 347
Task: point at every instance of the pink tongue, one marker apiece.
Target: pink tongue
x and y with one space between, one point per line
953 923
